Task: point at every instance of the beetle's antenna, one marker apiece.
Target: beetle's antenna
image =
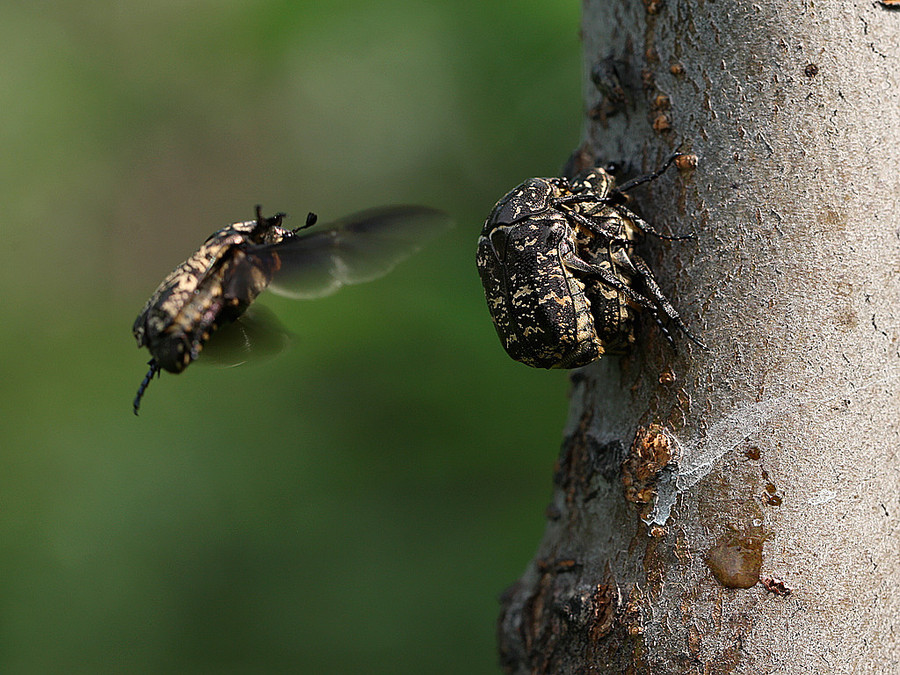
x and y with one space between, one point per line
311 219
154 370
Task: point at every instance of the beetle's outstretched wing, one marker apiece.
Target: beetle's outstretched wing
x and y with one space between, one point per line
355 249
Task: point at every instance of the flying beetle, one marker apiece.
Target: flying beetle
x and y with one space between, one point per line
214 287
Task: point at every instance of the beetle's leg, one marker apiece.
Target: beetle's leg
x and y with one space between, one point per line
154 370
647 228
640 180
576 264
592 225
653 289
614 199
576 199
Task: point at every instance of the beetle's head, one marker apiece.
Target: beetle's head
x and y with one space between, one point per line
266 230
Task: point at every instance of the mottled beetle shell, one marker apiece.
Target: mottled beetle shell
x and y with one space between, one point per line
539 310
545 315
204 292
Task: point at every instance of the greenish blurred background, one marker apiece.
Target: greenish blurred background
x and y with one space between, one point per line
355 505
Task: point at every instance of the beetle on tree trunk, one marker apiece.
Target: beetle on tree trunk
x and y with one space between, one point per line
561 278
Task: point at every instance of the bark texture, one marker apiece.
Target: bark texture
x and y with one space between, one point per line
738 510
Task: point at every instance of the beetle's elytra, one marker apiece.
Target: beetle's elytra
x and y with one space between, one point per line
561 278
218 283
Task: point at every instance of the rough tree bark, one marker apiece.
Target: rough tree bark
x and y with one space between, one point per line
737 510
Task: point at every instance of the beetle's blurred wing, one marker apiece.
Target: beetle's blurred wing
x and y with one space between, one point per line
255 335
359 248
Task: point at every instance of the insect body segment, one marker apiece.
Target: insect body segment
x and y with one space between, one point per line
560 275
217 284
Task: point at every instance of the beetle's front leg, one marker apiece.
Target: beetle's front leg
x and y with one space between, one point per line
647 228
640 180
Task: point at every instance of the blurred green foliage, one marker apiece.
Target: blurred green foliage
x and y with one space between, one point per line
354 505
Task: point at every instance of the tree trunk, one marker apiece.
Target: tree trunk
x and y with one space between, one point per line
738 510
